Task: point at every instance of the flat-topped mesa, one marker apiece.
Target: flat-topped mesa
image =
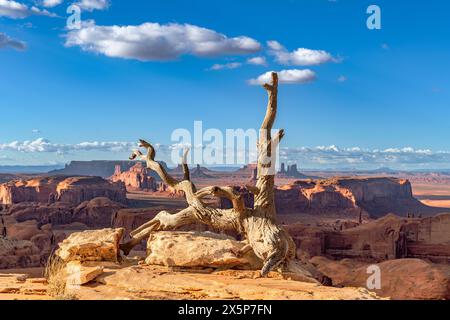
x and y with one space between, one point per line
373 196
71 190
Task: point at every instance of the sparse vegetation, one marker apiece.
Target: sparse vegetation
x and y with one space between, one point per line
55 273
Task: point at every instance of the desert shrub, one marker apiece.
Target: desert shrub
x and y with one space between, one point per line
55 273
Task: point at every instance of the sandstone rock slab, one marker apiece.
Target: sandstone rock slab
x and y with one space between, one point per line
198 249
79 274
91 245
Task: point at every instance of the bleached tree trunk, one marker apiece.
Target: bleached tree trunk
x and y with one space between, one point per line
258 225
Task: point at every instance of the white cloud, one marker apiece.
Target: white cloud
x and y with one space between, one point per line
51 3
90 5
158 42
300 56
231 65
308 157
342 78
259 61
6 42
16 10
44 145
334 156
293 76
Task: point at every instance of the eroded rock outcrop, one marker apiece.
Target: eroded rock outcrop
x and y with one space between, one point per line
400 279
56 213
19 254
198 249
98 212
354 197
136 178
390 237
29 243
91 245
70 190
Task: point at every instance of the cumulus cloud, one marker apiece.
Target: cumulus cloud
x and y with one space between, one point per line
293 76
7 42
90 5
300 56
44 145
259 61
16 10
51 3
158 42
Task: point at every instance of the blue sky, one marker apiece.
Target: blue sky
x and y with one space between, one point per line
377 97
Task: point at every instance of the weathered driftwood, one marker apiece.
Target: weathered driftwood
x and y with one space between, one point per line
258 225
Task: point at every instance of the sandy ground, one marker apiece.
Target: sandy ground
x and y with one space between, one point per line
159 283
432 193
23 284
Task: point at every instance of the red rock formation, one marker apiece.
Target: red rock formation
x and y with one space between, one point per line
352 196
71 190
55 214
400 279
25 244
387 238
98 212
136 178
19 254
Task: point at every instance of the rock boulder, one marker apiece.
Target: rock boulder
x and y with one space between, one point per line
198 249
91 245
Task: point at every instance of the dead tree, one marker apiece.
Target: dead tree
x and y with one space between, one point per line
259 225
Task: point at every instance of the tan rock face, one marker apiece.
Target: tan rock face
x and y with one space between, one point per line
71 190
78 274
92 245
400 279
197 249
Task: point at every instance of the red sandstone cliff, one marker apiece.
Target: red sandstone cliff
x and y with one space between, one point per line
72 190
136 178
353 196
